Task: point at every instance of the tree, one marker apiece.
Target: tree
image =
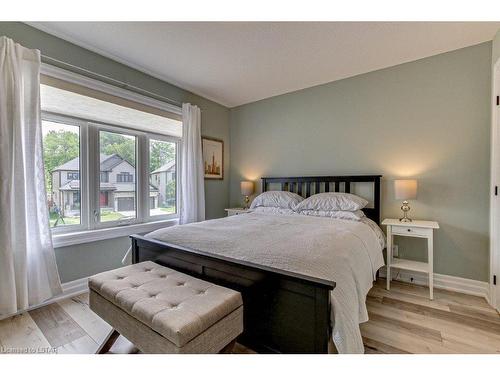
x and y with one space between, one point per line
59 147
113 143
160 153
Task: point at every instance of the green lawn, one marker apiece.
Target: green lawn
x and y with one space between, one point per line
168 210
110 216
67 220
72 220
105 216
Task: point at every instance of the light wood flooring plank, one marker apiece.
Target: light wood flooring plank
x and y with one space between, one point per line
407 297
56 325
444 315
401 339
405 326
444 326
21 331
488 315
377 347
443 299
123 346
90 322
82 345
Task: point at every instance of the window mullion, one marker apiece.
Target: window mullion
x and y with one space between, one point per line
84 177
93 175
142 178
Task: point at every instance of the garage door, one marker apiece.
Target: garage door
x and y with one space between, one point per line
125 204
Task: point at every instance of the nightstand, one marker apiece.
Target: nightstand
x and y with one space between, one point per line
236 211
415 228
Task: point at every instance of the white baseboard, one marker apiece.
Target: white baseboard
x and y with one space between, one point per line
452 283
70 289
73 288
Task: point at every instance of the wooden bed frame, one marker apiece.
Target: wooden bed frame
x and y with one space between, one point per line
284 312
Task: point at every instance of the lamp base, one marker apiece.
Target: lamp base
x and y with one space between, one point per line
247 201
405 208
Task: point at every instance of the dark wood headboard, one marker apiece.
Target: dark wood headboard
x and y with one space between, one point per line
307 186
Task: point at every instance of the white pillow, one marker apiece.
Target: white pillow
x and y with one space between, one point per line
275 210
345 215
332 202
281 199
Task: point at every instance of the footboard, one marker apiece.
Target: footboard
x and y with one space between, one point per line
284 312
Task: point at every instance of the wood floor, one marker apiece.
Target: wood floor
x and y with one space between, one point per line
402 320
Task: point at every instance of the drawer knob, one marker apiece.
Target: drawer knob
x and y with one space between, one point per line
409 230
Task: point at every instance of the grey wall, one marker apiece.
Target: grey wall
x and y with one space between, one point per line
77 261
80 261
428 119
495 55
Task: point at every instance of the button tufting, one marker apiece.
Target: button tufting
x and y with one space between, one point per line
181 284
163 276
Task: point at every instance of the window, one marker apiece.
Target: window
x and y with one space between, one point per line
61 152
125 177
102 160
73 176
117 157
163 184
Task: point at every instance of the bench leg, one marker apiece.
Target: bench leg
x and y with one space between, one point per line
108 342
228 349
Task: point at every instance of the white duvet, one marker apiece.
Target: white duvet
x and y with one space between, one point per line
347 252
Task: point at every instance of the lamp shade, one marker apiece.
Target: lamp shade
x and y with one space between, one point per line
405 189
246 188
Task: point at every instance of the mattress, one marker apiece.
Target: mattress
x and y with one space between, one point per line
345 251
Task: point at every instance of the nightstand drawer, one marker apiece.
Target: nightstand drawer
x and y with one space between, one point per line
411 231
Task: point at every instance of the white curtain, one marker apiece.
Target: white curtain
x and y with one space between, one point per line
28 270
192 177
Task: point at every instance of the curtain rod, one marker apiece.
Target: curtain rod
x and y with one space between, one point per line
76 69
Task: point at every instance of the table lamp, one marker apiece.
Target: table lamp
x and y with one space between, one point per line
246 190
405 190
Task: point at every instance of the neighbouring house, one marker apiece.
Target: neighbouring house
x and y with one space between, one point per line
117 185
163 178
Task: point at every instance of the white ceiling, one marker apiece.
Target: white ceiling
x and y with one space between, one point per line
234 63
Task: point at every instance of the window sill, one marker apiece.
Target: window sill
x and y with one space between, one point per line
75 238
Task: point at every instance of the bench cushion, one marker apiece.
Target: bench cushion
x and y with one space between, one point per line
177 306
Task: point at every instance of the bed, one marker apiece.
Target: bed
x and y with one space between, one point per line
290 269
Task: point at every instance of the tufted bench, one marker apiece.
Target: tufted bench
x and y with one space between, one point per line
161 310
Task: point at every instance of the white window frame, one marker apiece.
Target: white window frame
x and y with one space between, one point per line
84 208
178 145
90 229
95 206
